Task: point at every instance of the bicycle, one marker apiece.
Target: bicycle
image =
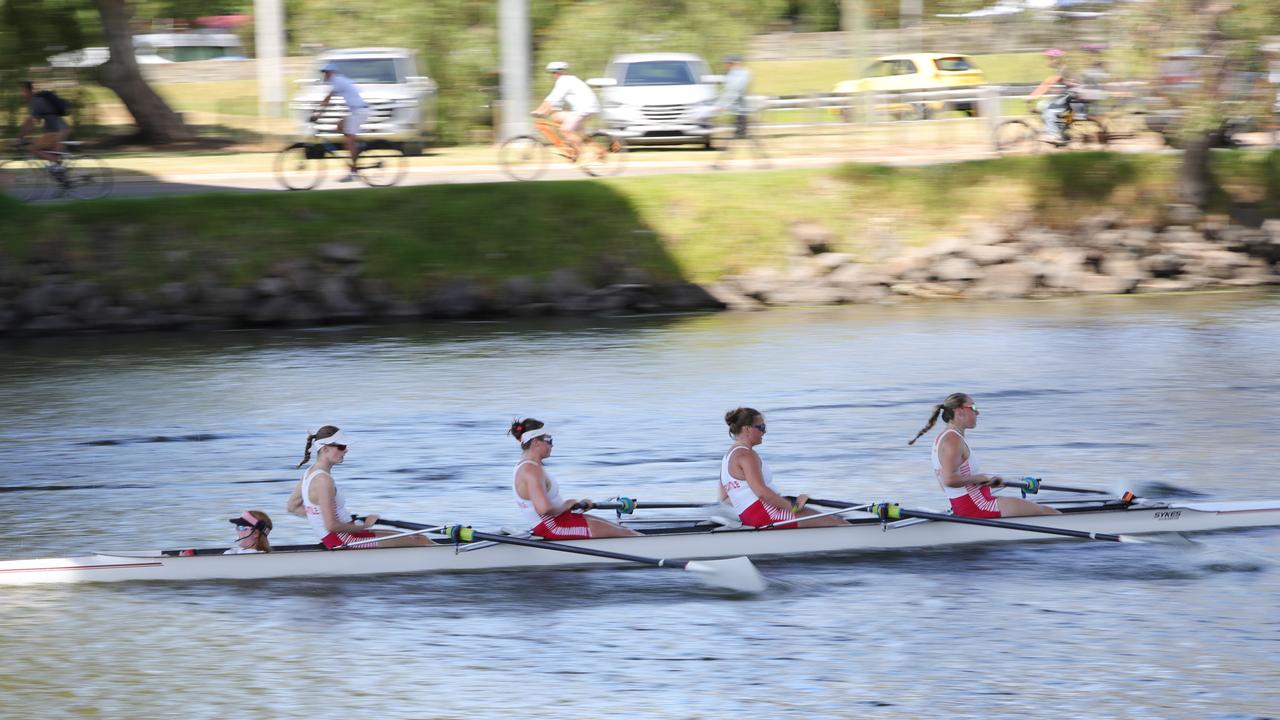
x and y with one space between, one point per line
737 141
526 157
302 165
28 177
1016 137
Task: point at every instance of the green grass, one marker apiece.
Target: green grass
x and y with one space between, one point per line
697 227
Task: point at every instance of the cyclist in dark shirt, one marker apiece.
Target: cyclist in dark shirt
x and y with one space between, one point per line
41 111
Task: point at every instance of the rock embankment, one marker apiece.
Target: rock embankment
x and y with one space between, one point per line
53 292
1100 257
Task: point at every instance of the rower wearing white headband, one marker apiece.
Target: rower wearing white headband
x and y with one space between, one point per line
317 498
538 496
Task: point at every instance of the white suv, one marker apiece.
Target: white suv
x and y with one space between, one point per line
658 98
402 103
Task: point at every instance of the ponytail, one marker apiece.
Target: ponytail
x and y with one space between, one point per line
946 409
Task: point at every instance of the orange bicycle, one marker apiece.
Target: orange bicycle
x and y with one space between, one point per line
526 157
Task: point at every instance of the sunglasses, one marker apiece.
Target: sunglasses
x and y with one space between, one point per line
968 407
339 448
546 438
245 528
761 427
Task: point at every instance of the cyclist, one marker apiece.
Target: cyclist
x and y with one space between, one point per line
569 90
357 112
48 144
1053 110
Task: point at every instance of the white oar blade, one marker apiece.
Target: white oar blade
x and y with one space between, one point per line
734 574
1165 538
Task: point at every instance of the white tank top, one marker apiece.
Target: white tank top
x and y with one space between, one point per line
967 468
740 493
526 506
315 515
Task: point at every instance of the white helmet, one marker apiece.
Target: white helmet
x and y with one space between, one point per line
557 66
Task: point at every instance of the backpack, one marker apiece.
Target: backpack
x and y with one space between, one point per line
60 105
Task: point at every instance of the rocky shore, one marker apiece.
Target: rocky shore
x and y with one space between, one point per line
51 292
1102 255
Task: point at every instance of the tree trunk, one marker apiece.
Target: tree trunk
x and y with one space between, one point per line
156 121
1195 177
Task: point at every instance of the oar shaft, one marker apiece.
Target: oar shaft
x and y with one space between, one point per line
642 505
904 513
469 535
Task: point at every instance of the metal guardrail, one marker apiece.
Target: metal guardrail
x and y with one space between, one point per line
885 108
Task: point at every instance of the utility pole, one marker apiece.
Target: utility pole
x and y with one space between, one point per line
268 32
514 38
911 26
853 21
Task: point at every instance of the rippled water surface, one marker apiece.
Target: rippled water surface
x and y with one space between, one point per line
137 442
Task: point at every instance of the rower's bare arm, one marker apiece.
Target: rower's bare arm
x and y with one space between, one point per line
749 466
950 457
529 481
324 495
294 504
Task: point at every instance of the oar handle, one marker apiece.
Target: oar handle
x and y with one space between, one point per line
1032 485
463 533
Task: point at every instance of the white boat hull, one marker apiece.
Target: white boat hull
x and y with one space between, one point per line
868 535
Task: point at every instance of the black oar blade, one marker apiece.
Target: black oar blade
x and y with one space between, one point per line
738 574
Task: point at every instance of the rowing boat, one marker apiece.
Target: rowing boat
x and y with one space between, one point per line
693 539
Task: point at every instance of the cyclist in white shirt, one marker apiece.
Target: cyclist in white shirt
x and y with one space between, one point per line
357 112
569 90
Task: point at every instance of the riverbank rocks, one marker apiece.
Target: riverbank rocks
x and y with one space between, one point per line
1101 256
43 296
54 291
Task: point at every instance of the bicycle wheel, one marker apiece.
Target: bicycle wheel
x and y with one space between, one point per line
24 179
1015 137
1086 135
524 157
298 167
382 166
603 155
87 177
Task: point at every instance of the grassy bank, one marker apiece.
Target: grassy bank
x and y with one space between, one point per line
697 227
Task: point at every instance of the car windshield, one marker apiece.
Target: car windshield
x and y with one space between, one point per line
659 72
369 71
954 64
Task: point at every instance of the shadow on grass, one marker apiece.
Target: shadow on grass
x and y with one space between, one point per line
410 237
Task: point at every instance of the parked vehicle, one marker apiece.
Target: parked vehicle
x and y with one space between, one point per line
402 102
918 71
160 49
658 98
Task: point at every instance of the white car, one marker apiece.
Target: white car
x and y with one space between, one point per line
402 103
658 98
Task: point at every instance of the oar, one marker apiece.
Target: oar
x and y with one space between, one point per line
1032 485
798 518
626 505
426 529
891 511
733 573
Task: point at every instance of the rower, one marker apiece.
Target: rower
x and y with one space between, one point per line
747 482
252 528
538 496
957 472
318 499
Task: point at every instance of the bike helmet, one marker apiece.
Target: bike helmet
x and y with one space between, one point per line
328 67
557 66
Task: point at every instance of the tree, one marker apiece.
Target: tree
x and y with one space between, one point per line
157 122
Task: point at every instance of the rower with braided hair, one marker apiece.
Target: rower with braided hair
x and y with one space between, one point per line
317 498
968 490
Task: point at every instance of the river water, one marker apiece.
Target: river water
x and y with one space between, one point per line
153 441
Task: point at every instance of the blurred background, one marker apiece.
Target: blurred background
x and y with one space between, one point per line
1188 66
